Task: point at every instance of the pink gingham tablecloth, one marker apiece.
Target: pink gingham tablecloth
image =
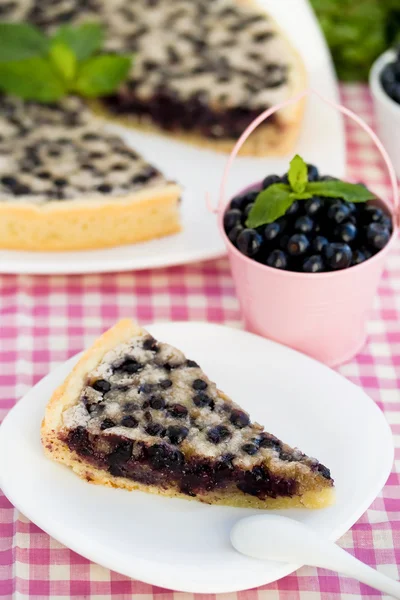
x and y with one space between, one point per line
45 320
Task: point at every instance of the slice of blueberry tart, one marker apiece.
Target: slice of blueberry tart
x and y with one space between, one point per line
135 413
68 184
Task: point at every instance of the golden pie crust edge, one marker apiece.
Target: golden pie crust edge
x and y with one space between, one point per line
85 224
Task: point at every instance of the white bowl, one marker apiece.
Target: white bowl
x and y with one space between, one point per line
387 111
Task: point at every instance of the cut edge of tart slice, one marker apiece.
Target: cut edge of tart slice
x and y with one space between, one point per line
134 413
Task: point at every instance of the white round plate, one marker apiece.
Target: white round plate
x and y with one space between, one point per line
181 544
200 171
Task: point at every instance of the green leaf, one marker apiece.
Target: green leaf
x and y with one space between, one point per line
302 196
101 75
64 60
351 192
269 205
84 40
20 41
298 174
31 79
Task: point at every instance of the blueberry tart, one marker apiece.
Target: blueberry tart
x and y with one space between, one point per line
68 184
135 413
203 69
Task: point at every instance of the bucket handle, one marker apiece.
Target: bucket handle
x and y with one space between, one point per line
270 111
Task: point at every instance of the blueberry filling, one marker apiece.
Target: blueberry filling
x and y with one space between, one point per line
168 466
172 114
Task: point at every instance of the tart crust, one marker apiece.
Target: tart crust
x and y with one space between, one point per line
90 223
312 494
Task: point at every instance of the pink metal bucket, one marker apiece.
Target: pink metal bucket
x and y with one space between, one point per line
321 314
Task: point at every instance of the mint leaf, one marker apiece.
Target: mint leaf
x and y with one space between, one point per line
83 40
31 79
20 41
269 205
101 75
302 196
350 192
298 174
63 59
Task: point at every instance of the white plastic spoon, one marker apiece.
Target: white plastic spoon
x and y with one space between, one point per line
273 537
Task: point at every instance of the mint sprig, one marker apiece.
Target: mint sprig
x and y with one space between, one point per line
274 201
35 67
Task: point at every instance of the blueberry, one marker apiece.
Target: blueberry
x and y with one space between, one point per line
162 457
270 180
157 402
178 410
249 242
313 205
277 259
313 264
293 209
177 434
338 255
192 364
129 421
218 434
324 471
358 257
250 448
154 429
101 385
231 218
145 388
234 233
377 235
386 220
130 366
150 344
199 384
242 201
246 211
285 178
338 212
328 178
319 243
271 231
298 244
313 174
304 224
346 232
388 75
352 207
201 399
267 440
165 384
372 214
239 418
106 424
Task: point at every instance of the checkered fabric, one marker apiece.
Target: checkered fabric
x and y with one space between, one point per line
44 320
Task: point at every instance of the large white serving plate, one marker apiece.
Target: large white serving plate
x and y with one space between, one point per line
322 141
182 544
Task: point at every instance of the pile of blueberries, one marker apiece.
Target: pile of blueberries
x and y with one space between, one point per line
390 78
315 235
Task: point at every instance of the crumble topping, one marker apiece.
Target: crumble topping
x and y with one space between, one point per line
148 392
61 152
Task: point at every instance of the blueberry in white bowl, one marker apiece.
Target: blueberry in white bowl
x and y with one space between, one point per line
307 223
390 77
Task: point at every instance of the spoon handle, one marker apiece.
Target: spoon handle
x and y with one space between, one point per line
342 561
